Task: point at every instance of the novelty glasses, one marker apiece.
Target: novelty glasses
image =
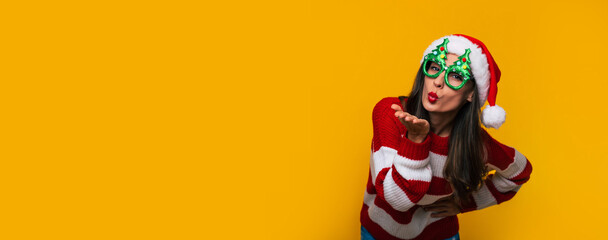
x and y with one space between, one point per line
457 74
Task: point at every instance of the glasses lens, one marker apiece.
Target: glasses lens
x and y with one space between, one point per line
432 69
453 79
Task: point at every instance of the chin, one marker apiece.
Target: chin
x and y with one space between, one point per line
434 108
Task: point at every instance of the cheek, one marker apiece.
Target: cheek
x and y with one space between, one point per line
454 99
428 82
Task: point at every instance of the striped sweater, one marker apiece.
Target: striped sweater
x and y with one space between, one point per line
404 175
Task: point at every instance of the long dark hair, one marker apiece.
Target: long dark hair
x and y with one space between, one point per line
464 168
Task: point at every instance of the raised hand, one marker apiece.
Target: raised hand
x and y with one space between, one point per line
417 129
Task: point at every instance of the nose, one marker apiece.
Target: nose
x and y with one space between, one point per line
438 81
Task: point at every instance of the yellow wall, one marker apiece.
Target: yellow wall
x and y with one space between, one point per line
252 119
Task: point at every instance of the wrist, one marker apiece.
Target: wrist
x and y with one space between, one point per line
417 138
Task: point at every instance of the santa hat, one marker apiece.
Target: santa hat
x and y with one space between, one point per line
484 70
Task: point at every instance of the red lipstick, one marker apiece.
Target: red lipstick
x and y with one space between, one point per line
433 97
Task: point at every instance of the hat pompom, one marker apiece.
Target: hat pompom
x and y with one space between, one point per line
493 116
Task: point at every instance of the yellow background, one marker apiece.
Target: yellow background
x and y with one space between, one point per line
252 119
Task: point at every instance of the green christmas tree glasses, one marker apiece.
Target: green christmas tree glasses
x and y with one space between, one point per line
460 67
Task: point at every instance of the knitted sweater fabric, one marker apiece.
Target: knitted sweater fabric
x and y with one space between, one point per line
404 175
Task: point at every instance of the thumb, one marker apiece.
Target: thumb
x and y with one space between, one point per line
396 107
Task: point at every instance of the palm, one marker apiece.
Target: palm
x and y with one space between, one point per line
415 126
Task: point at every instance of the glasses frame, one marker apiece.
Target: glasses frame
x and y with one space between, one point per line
460 67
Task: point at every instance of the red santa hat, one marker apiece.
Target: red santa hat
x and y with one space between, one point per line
484 70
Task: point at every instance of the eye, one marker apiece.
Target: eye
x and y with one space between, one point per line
434 67
456 76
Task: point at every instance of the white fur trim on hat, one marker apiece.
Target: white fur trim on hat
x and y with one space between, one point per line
493 116
479 62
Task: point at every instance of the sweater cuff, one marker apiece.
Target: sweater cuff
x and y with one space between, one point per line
416 153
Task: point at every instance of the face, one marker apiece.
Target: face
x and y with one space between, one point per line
443 99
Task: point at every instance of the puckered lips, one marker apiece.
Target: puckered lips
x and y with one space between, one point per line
433 97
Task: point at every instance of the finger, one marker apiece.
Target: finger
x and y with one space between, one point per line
407 118
436 209
436 204
401 120
440 214
403 113
444 200
430 205
421 121
396 107
448 197
399 114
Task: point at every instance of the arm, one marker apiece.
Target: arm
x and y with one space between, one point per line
400 168
512 170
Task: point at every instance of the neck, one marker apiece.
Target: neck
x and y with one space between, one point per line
442 123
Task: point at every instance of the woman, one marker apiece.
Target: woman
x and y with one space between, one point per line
431 161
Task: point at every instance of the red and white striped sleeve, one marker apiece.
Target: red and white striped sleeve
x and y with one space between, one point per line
399 168
512 170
